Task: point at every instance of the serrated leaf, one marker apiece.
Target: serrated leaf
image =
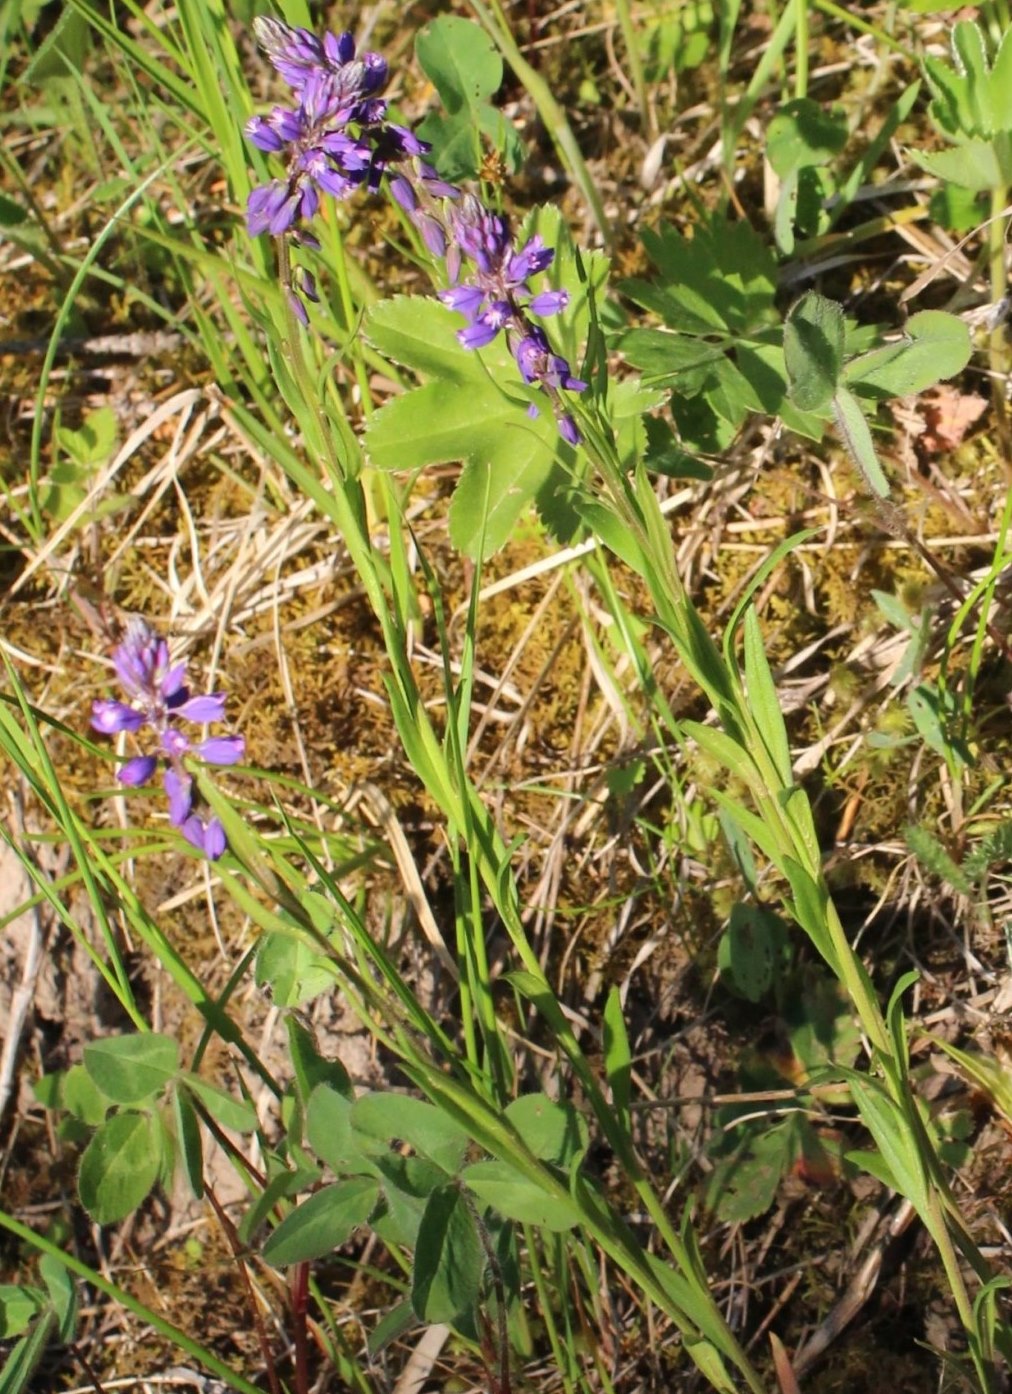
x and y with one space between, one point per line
449 1260
128 1069
813 350
419 332
976 165
119 1167
322 1223
666 356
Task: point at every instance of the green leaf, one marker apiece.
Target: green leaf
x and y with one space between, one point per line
237 1114
497 1184
322 1223
466 69
724 277
331 1136
119 1166
397 1323
460 60
853 427
311 1068
617 1056
295 971
763 702
449 1260
80 1096
280 1187
22 1361
62 1294
407 1184
11 213
419 1124
745 1185
18 1305
499 481
752 951
555 1132
418 332
813 350
725 749
803 134
129 1069
976 165
188 1139
937 346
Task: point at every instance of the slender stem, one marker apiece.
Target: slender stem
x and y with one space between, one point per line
625 20
551 113
801 48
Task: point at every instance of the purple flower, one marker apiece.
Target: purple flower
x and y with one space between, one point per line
336 138
159 699
500 275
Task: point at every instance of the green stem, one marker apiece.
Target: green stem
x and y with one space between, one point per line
625 21
801 48
551 113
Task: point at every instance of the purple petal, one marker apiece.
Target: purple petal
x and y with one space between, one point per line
208 708
549 302
214 839
432 233
174 743
179 791
307 285
263 135
138 770
477 335
339 48
403 193
298 308
172 683
222 750
110 717
466 300
208 837
568 429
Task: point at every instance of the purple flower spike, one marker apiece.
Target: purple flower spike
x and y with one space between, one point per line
159 699
334 139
